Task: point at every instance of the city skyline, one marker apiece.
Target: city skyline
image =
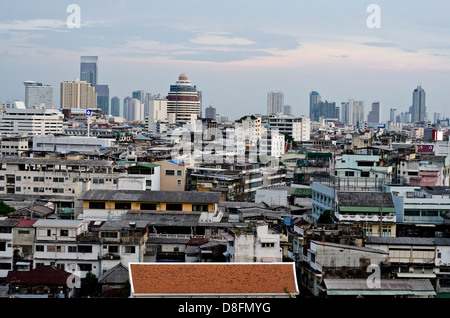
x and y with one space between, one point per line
268 47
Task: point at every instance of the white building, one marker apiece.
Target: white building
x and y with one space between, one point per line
67 144
264 246
57 244
37 94
14 146
35 121
6 246
157 112
298 127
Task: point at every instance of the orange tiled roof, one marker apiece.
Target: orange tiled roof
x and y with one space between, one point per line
212 278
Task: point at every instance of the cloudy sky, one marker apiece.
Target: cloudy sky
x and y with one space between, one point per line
236 51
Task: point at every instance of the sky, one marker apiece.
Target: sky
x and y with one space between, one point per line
235 51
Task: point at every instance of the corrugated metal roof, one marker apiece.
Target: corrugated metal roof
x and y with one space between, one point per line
407 240
164 219
365 199
387 287
57 223
151 196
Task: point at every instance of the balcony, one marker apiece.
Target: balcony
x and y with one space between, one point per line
366 218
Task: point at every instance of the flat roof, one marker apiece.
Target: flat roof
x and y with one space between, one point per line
56 162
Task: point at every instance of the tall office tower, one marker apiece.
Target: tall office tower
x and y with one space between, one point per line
134 110
126 103
37 94
183 101
314 99
327 109
210 112
287 110
358 112
88 69
418 109
103 98
393 115
78 94
275 103
346 113
115 106
374 116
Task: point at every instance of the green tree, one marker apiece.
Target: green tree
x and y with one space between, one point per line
5 209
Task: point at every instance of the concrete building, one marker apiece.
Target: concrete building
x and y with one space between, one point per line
70 144
78 94
6 246
30 122
14 146
38 94
183 101
298 127
275 103
56 243
263 245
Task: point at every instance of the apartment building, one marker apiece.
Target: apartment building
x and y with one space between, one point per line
31 122
114 204
51 176
57 244
6 246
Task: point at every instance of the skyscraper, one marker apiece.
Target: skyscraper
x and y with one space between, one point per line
183 101
287 110
37 94
115 106
210 112
102 98
374 116
275 103
78 94
418 108
314 99
393 115
88 69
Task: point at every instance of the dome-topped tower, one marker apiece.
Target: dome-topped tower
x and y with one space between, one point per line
183 101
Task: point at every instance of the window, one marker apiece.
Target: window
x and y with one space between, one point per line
268 244
50 248
72 249
64 232
179 173
365 163
130 249
170 172
85 267
365 174
2 246
174 207
178 182
18 178
49 232
349 173
113 249
148 206
199 207
60 249
122 205
148 183
97 205
85 249
39 248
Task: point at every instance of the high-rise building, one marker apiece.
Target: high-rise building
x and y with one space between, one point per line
287 110
183 101
103 98
275 103
37 94
126 103
210 112
115 106
352 112
327 110
393 115
88 69
314 99
134 110
78 94
418 109
374 116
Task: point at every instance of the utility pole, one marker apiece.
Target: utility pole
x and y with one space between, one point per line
381 219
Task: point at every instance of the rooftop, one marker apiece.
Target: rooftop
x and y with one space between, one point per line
183 279
151 196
